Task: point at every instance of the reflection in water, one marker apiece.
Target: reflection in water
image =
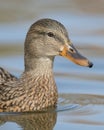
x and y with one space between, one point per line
31 121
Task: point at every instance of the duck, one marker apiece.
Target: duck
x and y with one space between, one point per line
35 89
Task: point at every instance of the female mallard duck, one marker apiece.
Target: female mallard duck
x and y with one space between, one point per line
36 89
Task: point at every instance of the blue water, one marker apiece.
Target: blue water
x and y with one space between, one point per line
81 89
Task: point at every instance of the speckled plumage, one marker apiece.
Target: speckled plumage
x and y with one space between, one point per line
36 90
29 93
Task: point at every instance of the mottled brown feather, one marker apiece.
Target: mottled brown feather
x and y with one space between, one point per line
36 88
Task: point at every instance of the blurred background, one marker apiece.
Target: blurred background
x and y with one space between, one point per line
84 21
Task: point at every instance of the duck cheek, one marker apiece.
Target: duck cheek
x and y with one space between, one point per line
51 50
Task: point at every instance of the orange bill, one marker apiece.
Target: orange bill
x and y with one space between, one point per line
72 54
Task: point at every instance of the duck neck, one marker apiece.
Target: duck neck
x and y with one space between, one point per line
41 65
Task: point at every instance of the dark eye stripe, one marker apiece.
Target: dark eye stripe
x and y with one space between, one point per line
60 39
50 34
56 37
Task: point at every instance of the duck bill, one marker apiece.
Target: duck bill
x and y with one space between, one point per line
72 54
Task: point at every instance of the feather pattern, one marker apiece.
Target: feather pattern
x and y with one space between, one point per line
36 90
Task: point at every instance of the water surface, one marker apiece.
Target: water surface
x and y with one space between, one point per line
81 90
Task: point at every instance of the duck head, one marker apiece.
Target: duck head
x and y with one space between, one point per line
48 38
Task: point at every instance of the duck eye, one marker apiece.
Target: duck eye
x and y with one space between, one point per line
50 34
